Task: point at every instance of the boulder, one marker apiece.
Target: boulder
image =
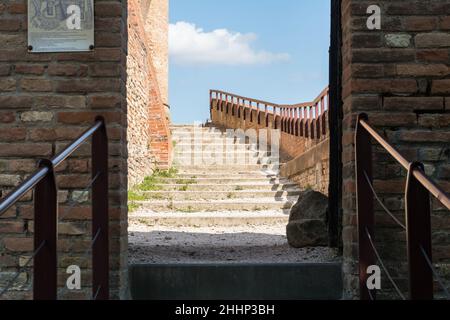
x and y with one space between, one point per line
307 225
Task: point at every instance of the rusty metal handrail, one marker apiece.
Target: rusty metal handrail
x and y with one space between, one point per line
417 213
432 187
46 215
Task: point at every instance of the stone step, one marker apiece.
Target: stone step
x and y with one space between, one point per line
230 158
208 162
207 140
218 205
215 146
210 218
228 168
243 175
237 281
191 128
230 153
214 195
222 181
227 188
192 133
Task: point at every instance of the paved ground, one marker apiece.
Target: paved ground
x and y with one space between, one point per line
249 243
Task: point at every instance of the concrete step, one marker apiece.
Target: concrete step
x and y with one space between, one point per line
272 281
227 168
231 153
178 133
218 205
214 195
224 180
210 218
228 187
206 140
241 175
214 146
192 128
207 161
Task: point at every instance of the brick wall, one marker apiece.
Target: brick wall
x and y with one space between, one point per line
400 76
310 170
291 145
148 130
46 101
156 21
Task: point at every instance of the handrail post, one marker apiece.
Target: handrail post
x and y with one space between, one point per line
45 230
364 205
418 232
100 219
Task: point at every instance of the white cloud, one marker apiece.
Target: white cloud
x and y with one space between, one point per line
190 45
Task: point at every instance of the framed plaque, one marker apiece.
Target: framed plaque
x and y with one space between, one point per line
60 25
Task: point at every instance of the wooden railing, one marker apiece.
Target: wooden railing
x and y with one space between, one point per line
417 217
309 120
46 217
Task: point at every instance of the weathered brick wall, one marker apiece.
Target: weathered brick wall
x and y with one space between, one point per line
310 170
47 100
148 131
157 27
400 77
291 145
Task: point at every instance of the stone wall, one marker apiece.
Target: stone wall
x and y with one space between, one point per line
310 170
399 76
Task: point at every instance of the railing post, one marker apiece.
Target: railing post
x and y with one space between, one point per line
45 232
418 232
364 205
100 219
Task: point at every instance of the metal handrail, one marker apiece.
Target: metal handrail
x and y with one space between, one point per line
10 199
417 214
432 187
46 216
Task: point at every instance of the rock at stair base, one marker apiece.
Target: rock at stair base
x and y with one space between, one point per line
308 221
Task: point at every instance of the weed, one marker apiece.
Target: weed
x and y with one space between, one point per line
134 196
186 210
186 181
152 182
132 206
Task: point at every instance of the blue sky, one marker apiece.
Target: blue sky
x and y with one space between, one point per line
264 49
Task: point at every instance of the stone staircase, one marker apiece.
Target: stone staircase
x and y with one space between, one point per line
224 211
211 183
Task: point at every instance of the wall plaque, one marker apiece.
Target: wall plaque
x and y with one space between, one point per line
60 25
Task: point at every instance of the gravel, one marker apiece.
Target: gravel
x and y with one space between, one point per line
246 244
